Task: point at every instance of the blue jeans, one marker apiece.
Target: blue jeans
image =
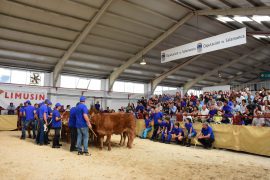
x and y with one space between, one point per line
82 135
41 133
145 132
191 135
34 127
25 125
168 136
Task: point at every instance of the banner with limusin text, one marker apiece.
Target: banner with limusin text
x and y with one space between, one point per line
221 41
17 95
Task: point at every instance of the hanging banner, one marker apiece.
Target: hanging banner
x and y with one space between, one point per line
213 89
19 95
222 41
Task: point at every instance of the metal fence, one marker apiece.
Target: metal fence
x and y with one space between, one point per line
252 86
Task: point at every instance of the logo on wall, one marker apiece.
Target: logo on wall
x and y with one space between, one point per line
162 56
35 78
199 47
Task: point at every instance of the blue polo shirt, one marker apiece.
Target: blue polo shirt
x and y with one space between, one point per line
97 106
43 109
212 112
81 109
177 131
226 108
163 124
72 118
168 126
147 123
56 124
207 131
50 111
188 126
29 113
139 108
22 110
156 117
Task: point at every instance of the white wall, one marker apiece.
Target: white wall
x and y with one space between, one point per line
67 96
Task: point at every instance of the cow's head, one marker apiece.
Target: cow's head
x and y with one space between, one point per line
94 116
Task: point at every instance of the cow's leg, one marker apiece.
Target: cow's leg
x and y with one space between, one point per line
121 139
124 137
131 136
109 142
101 139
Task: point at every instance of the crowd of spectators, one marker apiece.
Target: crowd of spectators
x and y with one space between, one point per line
234 107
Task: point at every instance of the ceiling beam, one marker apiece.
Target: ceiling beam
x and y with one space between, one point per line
189 84
115 74
164 75
261 10
59 66
248 70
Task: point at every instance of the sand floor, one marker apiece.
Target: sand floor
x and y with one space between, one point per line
22 159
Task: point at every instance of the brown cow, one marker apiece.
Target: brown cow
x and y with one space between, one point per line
106 124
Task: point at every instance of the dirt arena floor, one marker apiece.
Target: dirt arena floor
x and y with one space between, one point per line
22 159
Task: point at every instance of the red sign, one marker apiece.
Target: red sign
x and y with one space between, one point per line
23 95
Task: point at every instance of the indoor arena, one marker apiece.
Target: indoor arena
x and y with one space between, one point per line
135 89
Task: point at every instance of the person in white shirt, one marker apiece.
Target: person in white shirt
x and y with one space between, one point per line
239 98
243 106
235 108
204 113
267 97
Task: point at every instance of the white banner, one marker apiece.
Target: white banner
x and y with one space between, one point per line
19 95
211 89
222 41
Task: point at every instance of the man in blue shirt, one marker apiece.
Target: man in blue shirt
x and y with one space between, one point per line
23 123
156 116
139 107
73 129
177 133
97 106
43 123
206 137
166 129
50 111
82 124
56 125
35 122
29 118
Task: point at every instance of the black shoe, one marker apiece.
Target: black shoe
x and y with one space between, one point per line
22 137
73 149
87 154
30 136
55 146
34 137
59 144
41 144
80 153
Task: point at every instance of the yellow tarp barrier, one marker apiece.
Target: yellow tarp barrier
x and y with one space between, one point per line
240 138
8 122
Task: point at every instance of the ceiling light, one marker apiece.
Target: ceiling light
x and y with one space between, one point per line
143 62
224 19
240 72
260 36
242 19
259 19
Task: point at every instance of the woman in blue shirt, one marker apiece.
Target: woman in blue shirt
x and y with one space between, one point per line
148 126
56 125
191 131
